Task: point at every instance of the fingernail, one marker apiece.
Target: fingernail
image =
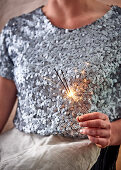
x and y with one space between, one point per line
81 131
80 118
77 118
81 124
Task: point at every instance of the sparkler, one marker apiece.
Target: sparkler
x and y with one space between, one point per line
70 92
63 80
78 92
73 94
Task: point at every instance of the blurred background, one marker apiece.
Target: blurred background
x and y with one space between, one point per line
11 8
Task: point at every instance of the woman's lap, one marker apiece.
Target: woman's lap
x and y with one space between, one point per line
20 151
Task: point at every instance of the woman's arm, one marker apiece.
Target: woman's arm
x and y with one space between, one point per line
7 99
100 130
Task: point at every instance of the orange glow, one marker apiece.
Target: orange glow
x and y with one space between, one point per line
71 93
83 72
85 81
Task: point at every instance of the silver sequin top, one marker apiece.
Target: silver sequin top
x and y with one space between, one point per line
61 73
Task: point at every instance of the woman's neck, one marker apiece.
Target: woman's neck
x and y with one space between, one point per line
67 7
70 13
70 8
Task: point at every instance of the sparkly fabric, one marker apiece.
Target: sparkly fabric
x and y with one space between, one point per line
61 73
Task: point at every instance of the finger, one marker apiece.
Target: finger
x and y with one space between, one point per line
96 132
97 123
101 142
92 116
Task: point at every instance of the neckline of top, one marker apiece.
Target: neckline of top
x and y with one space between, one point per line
47 21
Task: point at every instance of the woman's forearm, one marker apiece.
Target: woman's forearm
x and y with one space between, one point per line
116 132
7 99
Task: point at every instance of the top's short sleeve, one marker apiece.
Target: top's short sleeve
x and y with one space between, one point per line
6 64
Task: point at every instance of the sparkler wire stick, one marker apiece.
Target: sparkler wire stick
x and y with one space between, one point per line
61 80
65 81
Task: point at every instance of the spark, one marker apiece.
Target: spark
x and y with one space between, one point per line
87 63
65 81
83 72
46 78
76 70
71 93
85 80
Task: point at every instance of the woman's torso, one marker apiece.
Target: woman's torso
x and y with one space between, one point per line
88 58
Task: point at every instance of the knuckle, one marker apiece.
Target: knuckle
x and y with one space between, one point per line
92 132
108 135
100 123
88 131
97 114
101 133
97 140
110 132
96 132
108 126
106 117
88 123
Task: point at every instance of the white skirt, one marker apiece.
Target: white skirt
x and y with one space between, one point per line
20 151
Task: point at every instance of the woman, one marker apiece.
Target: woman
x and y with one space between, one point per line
61 60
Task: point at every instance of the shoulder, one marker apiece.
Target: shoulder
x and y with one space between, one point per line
24 22
116 14
113 23
117 10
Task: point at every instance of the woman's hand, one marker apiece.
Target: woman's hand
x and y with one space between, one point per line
97 127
